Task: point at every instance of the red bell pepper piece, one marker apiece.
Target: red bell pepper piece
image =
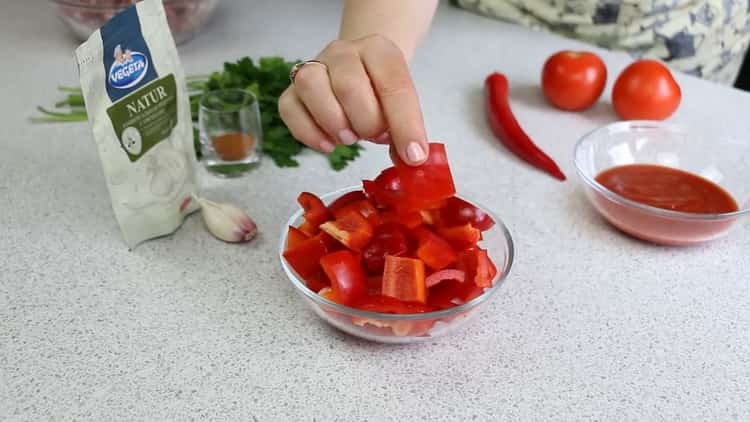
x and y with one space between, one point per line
433 250
458 212
316 213
461 237
403 279
294 237
451 293
345 200
427 184
388 239
305 257
508 131
389 305
364 207
409 220
345 273
351 229
374 284
385 190
477 266
444 275
430 217
317 281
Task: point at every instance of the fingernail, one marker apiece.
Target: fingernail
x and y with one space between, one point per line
415 153
326 146
347 137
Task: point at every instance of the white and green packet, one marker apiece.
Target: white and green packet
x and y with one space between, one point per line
138 108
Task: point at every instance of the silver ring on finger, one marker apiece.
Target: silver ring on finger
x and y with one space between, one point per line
297 66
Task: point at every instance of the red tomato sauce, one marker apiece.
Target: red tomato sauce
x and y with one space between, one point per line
667 188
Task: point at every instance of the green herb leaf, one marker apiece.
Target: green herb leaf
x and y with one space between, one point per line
343 154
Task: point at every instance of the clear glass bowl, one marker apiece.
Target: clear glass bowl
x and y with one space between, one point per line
720 160
185 17
403 328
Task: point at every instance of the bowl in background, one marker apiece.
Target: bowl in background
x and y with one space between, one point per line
403 328
185 17
722 161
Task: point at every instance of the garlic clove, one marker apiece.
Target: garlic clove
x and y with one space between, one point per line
226 221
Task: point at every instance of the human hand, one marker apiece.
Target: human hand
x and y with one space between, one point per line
361 89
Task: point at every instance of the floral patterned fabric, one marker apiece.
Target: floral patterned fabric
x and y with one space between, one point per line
706 38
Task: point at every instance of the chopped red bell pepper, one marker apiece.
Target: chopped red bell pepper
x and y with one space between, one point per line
374 284
403 279
305 257
450 293
430 217
477 266
294 237
444 275
427 184
364 207
389 305
327 293
385 190
433 250
388 239
461 237
346 275
409 220
317 282
316 213
351 229
345 200
458 212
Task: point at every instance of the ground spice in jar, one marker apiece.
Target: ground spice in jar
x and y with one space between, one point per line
234 146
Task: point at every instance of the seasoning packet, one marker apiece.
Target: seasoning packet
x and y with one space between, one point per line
138 108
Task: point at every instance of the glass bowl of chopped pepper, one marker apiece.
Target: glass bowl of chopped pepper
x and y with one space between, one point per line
397 277
663 183
185 17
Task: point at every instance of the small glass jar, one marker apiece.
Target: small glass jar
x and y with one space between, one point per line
230 132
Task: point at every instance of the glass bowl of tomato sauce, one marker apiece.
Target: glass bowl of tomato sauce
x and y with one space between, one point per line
401 326
663 183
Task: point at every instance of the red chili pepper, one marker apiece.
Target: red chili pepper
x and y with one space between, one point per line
508 131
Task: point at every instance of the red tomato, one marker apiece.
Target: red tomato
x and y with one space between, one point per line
573 80
646 90
346 276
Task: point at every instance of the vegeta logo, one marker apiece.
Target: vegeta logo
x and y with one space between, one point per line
128 69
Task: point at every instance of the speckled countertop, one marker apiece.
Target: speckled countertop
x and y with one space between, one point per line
591 325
